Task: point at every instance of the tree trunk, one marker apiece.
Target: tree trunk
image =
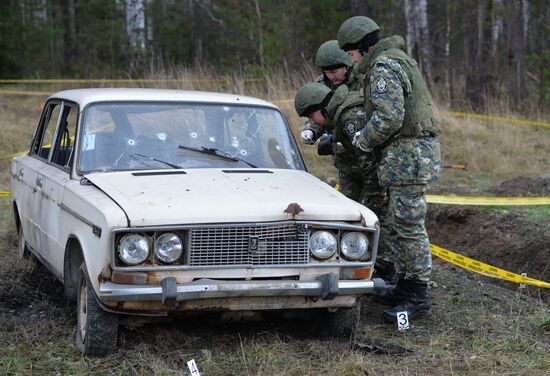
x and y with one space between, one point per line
480 75
359 7
196 33
135 23
69 36
514 19
260 33
418 36
448 60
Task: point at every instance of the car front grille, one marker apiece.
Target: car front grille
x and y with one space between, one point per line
276 244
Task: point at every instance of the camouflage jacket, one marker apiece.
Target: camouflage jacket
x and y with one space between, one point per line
403 160
345 110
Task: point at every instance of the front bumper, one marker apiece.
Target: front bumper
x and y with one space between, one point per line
326 287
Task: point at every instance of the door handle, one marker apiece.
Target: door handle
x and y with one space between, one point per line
21 173
39 181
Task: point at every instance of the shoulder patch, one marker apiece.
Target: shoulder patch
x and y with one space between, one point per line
381 85
350 128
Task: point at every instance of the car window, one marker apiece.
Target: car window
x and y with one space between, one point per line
64 145
44 138
129 136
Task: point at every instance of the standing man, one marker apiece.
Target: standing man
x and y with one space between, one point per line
402 133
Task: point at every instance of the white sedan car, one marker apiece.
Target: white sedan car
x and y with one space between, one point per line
155 202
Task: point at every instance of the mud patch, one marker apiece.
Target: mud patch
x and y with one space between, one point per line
523 187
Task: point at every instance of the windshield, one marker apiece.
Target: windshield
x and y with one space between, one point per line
133 136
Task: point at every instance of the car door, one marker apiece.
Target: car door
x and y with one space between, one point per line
55 175
29 172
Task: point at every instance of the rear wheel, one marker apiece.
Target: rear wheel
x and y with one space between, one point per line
22 249
96 329
344 322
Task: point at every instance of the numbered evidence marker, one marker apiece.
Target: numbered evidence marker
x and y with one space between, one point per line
522 285
402 320
193 368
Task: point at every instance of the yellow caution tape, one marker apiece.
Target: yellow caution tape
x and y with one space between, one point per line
13 155
5 194
499 119
483 201
484 269
123 80
29 93
487 201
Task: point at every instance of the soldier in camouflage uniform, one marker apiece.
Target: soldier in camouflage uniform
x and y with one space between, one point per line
402 133
337 68
344 110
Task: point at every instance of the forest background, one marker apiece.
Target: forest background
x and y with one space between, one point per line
474 54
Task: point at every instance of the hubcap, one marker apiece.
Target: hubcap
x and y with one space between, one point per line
82 300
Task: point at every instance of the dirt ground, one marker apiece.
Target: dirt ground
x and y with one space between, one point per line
500 237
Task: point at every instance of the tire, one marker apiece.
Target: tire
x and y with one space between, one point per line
344 322
96 329
22 249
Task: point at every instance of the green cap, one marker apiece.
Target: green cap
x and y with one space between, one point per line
354 29
310 98
329 55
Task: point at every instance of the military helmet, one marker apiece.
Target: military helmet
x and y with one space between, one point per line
311 97
330 56
354 29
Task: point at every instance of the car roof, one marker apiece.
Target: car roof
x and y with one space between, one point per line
83 97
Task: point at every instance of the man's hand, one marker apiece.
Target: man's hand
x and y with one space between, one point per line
325 145
339 148
361 142
307 137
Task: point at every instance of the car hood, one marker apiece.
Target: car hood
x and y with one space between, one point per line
172 197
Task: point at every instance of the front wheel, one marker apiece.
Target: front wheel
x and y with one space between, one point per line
344 322
96 329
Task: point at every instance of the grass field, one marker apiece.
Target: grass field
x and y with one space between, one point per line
477 327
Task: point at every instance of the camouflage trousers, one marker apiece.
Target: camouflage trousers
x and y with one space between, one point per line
407 231
360 183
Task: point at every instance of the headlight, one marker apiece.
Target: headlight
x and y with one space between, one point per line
133 249
354 246
322 244
168 247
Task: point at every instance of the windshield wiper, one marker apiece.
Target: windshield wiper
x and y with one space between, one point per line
218 153
156 160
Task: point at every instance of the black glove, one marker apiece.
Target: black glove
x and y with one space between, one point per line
325 145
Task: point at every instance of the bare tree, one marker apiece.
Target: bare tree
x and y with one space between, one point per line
418 36
260 33
69 36
359 7
448 60
135 23
515 32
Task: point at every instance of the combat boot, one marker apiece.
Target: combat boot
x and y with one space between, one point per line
394 295
417 303
388 274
